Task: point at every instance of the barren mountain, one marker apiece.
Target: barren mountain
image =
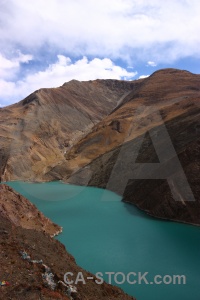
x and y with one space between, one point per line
140 139
36 132
157 123
106 133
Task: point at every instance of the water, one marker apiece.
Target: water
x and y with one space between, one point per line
110 236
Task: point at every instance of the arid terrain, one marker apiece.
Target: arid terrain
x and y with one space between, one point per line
140 139
158 122
36 133
102 132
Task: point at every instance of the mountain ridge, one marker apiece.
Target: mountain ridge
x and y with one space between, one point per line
40 128
62 140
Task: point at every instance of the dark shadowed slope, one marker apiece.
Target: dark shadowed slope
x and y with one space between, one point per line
161 115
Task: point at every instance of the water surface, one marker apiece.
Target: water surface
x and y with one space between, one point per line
106 235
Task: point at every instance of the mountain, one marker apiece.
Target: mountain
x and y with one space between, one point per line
139 138
106 133
159 123
36 132
33 263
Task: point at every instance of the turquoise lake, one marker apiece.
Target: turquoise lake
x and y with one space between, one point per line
107 235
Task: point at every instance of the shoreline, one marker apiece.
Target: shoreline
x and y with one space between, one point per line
57 232
128 202
160 218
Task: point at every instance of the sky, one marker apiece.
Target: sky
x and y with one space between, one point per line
47 43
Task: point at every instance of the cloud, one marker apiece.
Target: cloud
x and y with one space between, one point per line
143 76
125 29
61 71
151 64
9 67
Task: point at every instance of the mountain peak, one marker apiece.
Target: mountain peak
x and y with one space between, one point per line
170 71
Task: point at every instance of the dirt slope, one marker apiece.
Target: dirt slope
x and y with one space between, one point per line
36 133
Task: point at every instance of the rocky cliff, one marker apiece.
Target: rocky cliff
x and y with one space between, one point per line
20 212
33 264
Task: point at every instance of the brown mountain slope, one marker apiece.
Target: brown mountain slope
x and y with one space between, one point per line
165 110
36 132
25 276
20 212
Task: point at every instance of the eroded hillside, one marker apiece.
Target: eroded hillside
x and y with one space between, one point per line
37 132
157 123
101 133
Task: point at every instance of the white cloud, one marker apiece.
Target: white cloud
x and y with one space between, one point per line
162 30
143 76
62 71
9 67
151 63
151 31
